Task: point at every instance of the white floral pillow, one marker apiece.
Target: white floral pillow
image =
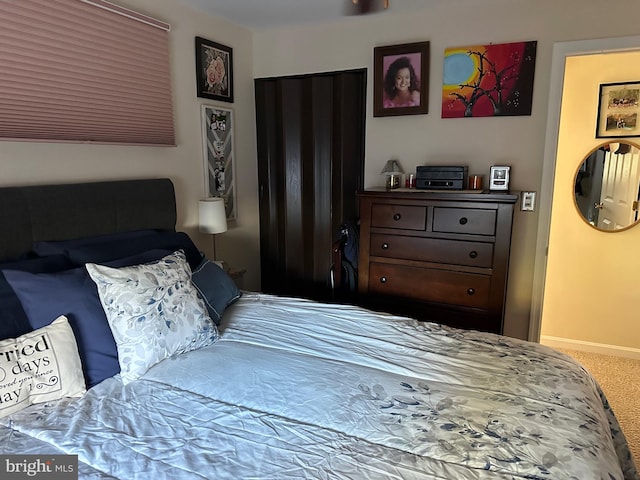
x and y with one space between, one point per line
154 312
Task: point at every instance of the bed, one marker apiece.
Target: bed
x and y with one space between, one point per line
265 387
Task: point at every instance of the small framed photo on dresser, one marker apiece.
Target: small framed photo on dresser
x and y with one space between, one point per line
499 177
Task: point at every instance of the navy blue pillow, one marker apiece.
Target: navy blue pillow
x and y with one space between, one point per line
216 287
62 247
105 252
13 321
72 293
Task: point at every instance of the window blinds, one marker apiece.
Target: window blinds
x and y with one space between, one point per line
83 71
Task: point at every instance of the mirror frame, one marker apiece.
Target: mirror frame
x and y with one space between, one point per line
575 179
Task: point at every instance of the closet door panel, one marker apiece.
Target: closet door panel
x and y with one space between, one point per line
270 163
293 132
321 204
310 167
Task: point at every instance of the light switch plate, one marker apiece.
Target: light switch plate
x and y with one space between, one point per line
528 201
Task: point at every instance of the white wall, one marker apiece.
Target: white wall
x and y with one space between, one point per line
477 142
33 163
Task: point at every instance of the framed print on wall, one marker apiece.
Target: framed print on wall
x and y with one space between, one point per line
214 70
618 110
401 79
494 80
218 150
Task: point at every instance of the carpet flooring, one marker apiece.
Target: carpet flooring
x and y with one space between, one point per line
619 378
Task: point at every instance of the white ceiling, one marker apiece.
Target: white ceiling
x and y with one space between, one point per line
261 14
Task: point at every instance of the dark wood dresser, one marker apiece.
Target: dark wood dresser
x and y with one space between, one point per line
437 256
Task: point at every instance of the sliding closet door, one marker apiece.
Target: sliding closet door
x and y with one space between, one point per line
310 137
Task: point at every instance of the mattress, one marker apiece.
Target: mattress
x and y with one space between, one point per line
299 389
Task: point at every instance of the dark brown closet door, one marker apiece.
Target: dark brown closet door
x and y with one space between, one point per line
310 137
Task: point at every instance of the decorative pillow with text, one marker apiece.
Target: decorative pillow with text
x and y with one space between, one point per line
40 366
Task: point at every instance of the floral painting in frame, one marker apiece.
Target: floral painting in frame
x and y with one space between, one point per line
218 150
214 70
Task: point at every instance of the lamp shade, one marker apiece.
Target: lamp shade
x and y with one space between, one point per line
212 215
392 166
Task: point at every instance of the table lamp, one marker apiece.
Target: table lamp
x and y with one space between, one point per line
393 170
212 218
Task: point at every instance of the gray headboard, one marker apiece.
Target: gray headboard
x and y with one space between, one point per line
61 212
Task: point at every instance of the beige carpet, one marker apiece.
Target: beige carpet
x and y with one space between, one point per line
619 378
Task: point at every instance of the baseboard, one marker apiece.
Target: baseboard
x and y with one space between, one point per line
583 346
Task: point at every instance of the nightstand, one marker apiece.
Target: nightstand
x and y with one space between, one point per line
237 274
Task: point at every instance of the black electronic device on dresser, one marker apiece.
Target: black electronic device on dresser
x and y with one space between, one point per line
433 177
436 256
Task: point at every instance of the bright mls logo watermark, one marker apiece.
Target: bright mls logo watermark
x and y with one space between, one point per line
51 467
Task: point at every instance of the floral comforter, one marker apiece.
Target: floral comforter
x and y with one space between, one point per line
296 389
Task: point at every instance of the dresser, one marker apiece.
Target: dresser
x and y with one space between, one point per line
436 256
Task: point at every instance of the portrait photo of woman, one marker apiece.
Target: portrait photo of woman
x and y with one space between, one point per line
401 83
401 78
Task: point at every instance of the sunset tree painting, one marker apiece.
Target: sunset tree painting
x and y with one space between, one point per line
488 80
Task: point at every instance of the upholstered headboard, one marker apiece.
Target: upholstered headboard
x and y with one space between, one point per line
61 212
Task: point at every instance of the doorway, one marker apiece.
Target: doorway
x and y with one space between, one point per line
556 192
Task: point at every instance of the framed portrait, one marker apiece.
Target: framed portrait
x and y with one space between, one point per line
499 177
214 70
401 79
618 110
219 159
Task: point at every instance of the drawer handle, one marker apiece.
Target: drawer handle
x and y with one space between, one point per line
463 221
383 279
385 246
470 291
397 217
473 254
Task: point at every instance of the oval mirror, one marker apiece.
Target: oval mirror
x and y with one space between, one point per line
607 186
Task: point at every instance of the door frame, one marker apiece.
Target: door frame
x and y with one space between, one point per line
561 50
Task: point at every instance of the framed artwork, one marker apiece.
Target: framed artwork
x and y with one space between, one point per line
488 80
618 110
214 70
401 79
218 150
499 177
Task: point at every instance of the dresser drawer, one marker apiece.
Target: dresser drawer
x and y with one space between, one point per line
464 220
431 285
405 217
455 252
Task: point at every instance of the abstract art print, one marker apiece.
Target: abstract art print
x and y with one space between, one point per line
488 80
217 135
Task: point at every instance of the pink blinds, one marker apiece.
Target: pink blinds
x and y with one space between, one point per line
83 71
